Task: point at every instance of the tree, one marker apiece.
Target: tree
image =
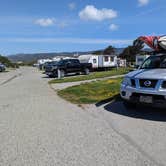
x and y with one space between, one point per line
109 50
98 52
6 61
130 52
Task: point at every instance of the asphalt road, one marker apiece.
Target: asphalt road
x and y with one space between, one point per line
37 128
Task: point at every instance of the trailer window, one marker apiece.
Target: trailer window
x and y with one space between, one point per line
94 61
106 59
112 59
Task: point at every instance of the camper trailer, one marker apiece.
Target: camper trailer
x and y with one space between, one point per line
41 62
121 62
99 61
58 58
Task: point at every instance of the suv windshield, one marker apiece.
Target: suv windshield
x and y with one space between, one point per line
154 62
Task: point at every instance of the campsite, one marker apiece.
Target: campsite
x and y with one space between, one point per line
82 83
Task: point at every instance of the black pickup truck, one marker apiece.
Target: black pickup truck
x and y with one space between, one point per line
63 67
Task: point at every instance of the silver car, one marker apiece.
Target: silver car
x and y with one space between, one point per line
147 85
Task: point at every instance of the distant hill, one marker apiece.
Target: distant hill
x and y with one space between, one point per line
119 50
34 57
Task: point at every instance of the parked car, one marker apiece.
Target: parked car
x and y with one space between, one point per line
2 67
66 66
147 85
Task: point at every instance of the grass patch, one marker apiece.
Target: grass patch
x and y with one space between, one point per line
93 92
91 76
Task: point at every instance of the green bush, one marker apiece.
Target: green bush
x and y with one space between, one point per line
7 62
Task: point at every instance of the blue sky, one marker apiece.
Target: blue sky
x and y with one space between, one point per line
76 25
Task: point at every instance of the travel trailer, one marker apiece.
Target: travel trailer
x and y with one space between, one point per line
99 61
41 62
121 62
58 58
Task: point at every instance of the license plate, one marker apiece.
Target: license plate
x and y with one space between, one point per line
146 99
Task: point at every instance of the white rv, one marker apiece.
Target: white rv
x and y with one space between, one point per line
99 61
41 62
121 62
58 58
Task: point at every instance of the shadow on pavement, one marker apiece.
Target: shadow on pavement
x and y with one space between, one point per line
139 112
66 76
46 77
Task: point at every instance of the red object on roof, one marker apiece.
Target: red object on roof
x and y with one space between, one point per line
151 41
157 43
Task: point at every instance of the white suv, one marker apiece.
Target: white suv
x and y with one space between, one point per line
146 85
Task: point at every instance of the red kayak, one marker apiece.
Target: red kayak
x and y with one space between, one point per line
157 43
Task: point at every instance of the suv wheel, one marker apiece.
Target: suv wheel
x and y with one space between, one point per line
86 71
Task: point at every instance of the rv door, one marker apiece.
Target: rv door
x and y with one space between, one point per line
100 60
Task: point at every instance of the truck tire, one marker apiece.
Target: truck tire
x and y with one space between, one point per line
86 71
54 74
51 76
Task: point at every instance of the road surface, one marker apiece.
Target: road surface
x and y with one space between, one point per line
37 128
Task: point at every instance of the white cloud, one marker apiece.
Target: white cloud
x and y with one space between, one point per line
92 13
45 22
51 21
72 6
143 2
113 27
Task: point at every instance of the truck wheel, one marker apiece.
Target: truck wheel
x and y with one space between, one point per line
54 74
129 105
51 75
86 71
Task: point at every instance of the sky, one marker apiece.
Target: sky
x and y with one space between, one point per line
36 26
